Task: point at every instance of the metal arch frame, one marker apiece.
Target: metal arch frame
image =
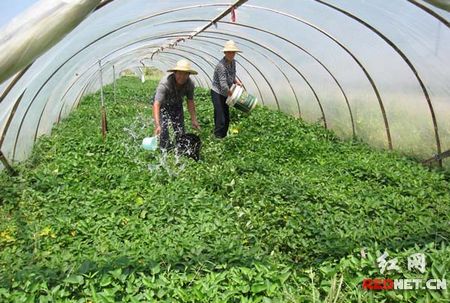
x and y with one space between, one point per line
130 52
92 77
94 64
300 73
311 55
207 53
62 105
262 75
407 61
318 61
109 33
273 92
82 74
89 80
335 40
249 74
65 93
74 82
93 42
88 46
256 51
14 82
292 66
216 32
106 63
174 35
6 164
123 47
430 11
10 117
247 60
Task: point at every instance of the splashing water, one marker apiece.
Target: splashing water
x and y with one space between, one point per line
138 130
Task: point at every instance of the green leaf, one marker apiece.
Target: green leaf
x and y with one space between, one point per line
74 279
259 287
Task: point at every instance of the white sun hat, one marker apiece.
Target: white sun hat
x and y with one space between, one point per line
183 65
230 46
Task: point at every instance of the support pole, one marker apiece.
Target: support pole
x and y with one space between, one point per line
102 100
8 167
114 82
438 158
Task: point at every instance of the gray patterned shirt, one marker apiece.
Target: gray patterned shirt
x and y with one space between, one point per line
224 76
168 95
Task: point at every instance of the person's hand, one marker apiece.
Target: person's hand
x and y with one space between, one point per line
157 130
230 93
238 82
195 125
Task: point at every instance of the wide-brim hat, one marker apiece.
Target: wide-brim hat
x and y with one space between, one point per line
183 66
230 46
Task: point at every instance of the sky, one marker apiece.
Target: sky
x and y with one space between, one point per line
11 8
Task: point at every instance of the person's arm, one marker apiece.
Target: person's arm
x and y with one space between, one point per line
236 80
156 118
193 114
160 96
191 105
220 70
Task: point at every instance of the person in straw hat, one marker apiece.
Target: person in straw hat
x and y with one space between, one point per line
224 77
168 103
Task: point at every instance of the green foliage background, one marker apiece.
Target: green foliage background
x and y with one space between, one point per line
279 211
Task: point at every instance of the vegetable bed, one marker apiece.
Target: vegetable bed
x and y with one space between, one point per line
279 211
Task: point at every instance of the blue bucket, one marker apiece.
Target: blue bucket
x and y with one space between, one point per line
150 143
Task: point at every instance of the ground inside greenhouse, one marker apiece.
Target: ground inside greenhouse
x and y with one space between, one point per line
279 211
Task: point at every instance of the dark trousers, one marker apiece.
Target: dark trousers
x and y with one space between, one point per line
174 116
221 115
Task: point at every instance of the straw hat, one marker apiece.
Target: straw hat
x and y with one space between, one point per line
230 46
183 66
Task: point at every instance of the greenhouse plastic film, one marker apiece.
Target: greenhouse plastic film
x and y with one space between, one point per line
336 68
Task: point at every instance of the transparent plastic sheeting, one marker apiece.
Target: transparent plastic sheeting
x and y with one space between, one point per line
46 22
377 70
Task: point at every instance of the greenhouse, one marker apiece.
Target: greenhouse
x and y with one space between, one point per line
331 184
